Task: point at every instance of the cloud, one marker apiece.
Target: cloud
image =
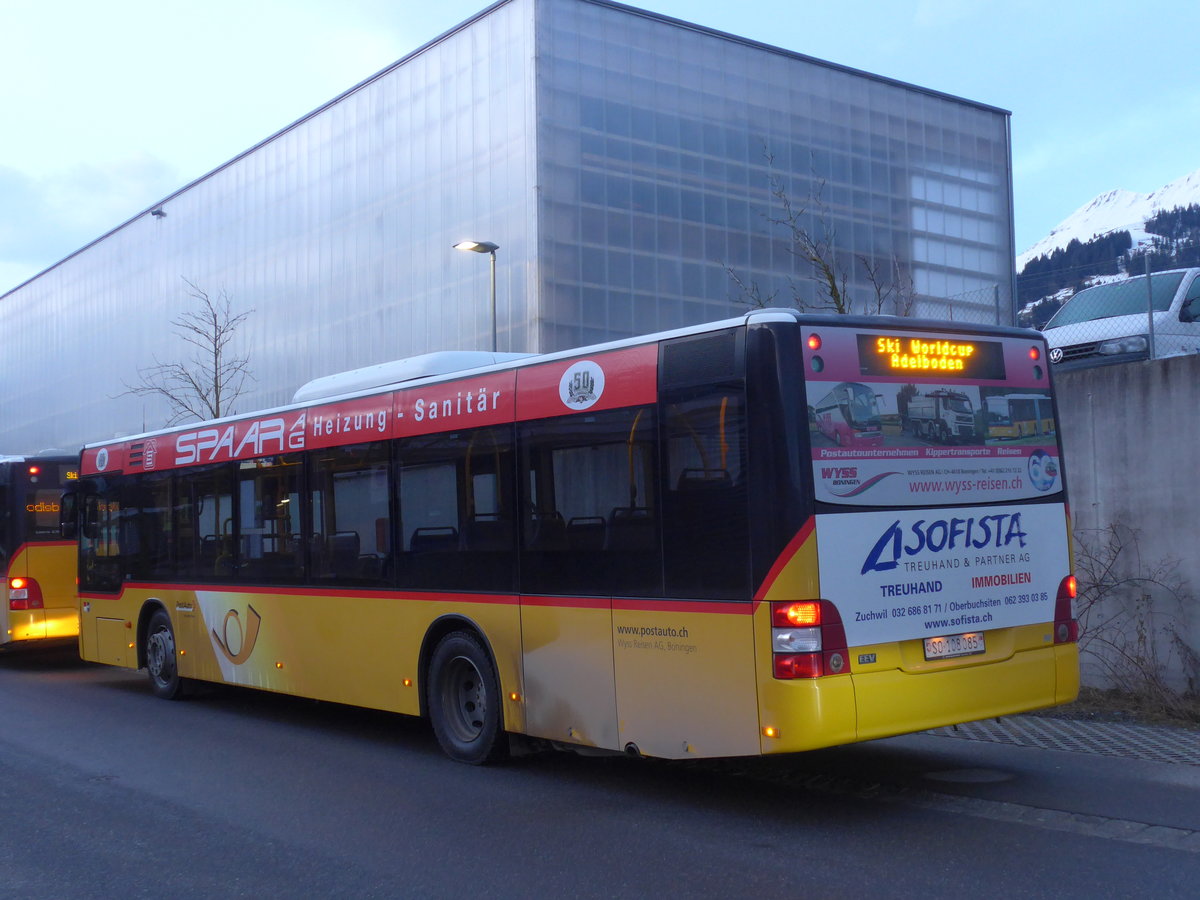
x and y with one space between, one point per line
47 217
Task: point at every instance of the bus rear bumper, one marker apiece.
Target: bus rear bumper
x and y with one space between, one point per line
49 624
899 702
825 712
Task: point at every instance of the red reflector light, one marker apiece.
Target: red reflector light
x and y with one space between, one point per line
814 342
798 665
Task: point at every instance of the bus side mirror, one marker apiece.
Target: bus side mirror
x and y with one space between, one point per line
68 511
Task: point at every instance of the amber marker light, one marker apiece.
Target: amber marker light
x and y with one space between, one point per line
770 731
514 697
1066 626
407 682
806 612
279 665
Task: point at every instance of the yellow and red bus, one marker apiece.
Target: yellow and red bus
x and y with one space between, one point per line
638 546
1019 416
38 567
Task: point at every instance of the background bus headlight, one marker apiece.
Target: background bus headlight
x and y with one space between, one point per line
1134 343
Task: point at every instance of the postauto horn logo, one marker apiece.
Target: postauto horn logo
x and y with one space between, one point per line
1000 530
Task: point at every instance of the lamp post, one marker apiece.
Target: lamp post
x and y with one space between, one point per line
489 248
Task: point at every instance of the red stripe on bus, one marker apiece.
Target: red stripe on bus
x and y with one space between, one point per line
721 607
793 547
625 604
624 377
568 602
349 590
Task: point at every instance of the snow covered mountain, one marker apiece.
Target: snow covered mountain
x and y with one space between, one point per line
1118 210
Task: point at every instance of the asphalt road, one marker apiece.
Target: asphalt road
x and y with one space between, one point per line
106 791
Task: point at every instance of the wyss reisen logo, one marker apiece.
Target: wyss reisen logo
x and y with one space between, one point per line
581 385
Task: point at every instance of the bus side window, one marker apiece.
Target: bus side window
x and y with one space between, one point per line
706 522
456 496
270 547
202 516
350 533
100 550
591 523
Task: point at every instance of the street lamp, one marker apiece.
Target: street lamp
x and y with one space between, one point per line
489 248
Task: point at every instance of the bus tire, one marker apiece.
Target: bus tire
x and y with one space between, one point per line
161 660
464 700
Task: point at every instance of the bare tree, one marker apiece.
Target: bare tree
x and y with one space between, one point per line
813 240
205 385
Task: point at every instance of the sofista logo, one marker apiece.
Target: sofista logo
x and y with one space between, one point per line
1001 531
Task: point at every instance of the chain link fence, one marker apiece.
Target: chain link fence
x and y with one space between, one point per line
982 306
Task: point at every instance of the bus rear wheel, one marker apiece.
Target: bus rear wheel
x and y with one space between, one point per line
464 700
161 661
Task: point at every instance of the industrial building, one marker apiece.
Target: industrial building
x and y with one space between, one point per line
624 164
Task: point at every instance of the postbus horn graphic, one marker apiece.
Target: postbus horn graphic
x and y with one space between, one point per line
248 636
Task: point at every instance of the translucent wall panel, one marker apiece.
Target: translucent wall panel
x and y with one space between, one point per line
337 233
625 164
665 152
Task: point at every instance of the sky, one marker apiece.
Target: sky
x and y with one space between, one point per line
105 108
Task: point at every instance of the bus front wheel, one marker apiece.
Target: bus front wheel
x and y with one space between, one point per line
161 661
464 700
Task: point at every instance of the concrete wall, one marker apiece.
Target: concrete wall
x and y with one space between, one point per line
1131 440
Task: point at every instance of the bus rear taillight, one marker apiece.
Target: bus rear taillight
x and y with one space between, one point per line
807 639
24 593
1066 626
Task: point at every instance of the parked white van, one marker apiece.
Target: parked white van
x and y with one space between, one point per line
1113 323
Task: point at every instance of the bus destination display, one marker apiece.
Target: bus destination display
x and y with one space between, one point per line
882 354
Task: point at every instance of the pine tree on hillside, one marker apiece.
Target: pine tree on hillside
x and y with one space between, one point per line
1072 266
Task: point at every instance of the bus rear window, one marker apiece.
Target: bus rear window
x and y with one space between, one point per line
924 419
40 497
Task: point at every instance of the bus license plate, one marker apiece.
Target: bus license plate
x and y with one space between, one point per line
951 645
